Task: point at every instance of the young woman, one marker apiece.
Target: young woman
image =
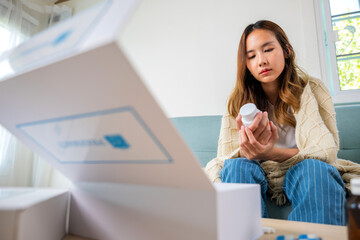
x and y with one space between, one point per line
291 146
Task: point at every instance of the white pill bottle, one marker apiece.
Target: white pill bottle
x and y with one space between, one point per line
248 113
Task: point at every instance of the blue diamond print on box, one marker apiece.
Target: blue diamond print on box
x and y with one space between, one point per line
117 141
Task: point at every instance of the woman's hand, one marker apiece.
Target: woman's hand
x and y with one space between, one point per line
260 127
252 149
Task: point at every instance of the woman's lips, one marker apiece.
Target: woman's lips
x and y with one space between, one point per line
265 71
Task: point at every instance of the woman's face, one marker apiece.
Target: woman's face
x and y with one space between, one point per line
264 56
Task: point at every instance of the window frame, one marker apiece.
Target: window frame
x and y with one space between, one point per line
328 60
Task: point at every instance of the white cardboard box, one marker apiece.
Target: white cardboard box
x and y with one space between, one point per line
29 213
75 99
120 211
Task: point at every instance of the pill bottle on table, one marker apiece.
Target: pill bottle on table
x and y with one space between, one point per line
353 210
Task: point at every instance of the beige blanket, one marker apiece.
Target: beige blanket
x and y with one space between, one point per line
316 137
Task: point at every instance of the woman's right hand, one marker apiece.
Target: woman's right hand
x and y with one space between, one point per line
260 127
254 150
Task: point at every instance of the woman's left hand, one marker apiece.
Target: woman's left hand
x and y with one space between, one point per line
253 149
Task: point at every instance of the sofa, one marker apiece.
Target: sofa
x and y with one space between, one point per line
201 134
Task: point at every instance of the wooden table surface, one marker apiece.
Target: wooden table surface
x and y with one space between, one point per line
283 227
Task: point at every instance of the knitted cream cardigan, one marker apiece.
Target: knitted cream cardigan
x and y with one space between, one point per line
316 137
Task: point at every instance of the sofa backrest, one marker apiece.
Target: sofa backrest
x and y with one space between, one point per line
201 133
348 123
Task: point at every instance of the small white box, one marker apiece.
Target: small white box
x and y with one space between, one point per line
31 213
134 212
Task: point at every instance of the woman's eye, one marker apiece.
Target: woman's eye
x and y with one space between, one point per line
269 50
251 57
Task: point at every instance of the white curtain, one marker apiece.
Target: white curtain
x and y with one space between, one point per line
19 166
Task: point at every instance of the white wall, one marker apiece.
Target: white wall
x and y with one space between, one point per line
186 50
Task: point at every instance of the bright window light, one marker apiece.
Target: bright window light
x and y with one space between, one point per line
5 38
343 6
5 69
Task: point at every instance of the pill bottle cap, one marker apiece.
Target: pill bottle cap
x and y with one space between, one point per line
248 109
248 113
355 186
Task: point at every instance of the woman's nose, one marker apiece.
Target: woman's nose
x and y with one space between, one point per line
262 60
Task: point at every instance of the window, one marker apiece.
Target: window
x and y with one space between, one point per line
20 20
5 68
339 40
5 37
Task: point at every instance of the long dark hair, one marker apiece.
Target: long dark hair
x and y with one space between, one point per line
291 81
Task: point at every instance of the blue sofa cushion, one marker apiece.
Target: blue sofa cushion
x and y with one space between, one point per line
348 123
201 133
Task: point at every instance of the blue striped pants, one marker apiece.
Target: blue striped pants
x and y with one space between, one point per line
314 188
